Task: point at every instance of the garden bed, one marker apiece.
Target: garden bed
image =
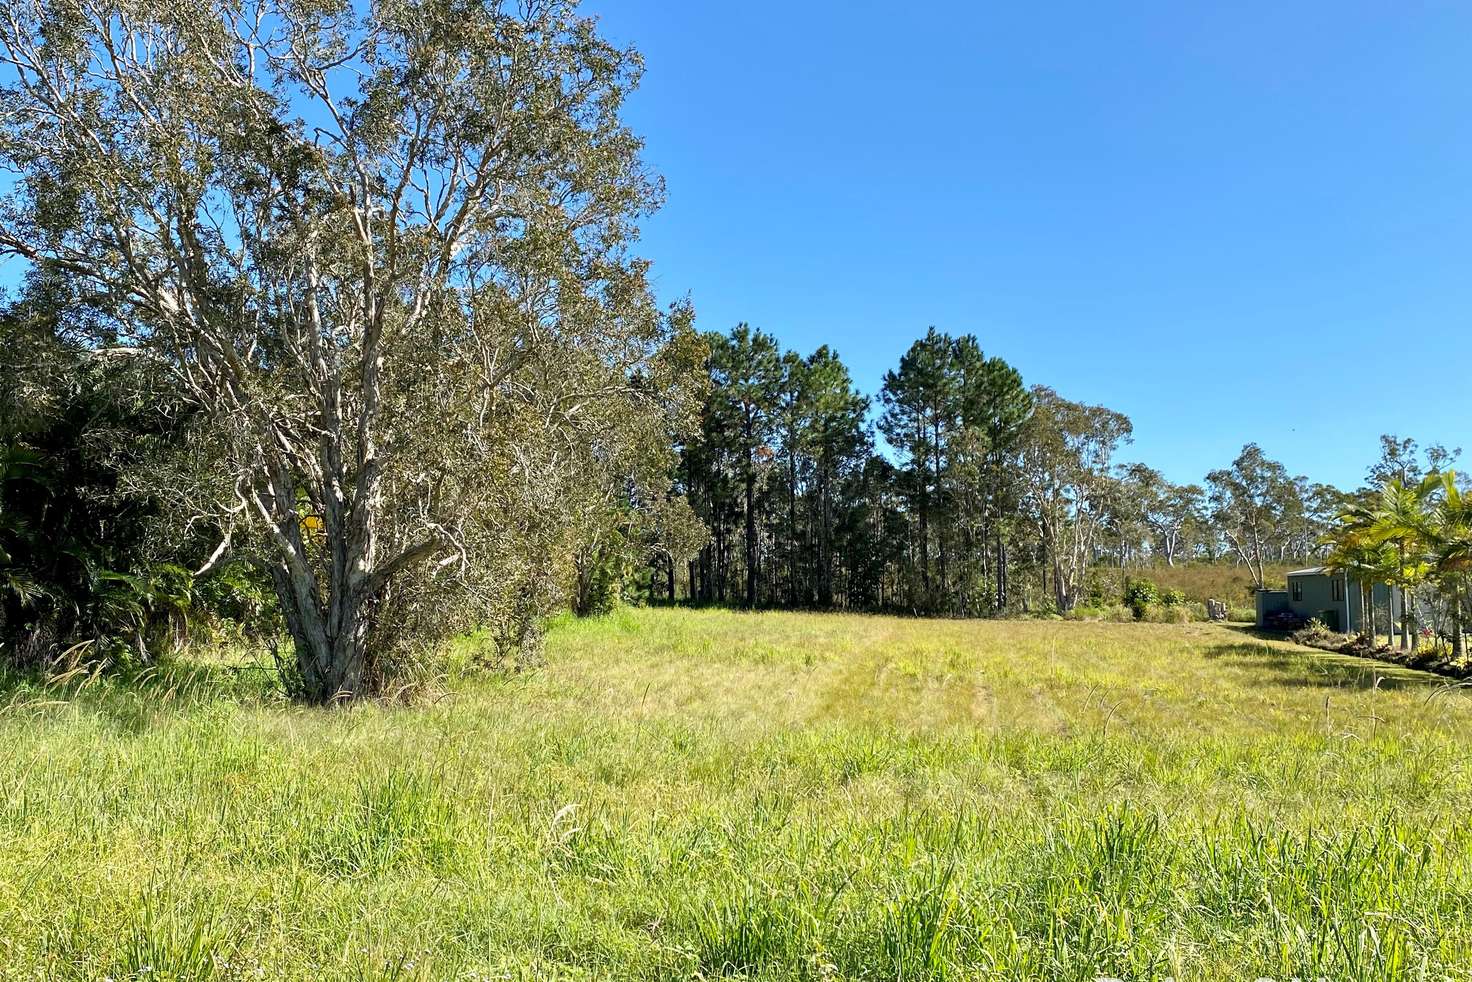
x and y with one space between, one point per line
1437 662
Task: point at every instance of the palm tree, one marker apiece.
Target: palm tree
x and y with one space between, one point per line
1446 530
1354 552
1398 518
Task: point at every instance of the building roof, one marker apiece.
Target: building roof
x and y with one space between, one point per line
1311 571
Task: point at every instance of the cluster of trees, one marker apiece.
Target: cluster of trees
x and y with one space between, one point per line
380 259
1411 527
984 496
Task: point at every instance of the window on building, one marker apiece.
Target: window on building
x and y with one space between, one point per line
1297 586
1338 589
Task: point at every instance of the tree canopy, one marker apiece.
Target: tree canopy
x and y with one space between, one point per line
387 252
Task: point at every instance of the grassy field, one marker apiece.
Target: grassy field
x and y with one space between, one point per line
696 794
1217 581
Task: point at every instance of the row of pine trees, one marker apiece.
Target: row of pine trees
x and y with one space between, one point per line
977 478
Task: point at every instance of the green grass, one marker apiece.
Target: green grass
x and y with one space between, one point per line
700 794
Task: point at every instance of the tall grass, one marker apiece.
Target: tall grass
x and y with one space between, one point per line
768 796
1226 581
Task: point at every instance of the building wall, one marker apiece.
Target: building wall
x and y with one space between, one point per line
1270 602
1341 615
1318 600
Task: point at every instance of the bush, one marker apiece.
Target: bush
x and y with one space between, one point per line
1173 598
1140 596
237 601
84 571
1315 634
1168 614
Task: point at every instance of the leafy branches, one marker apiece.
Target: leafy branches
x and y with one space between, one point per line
387 254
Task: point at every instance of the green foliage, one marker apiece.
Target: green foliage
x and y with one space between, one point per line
1316 634
1176 614
237 599
603 573
1118 613
1407 534
81 570
1255 502
1139 595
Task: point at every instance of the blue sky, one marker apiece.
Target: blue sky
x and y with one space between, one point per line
1225 220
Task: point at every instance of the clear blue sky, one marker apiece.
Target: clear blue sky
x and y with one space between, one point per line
1225 220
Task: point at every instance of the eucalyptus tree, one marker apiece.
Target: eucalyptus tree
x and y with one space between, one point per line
1067 455
385 249
1170 511
1250 502
1405 460
1127 519
638 518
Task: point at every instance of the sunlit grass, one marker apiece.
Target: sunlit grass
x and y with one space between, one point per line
682 794
1218 581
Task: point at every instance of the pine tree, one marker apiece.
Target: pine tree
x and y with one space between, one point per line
746 368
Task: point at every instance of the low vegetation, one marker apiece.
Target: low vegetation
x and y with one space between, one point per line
686 794
1228 582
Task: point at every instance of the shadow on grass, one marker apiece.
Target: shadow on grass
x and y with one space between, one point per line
1253 631
1308 668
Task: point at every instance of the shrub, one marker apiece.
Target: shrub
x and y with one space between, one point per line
237 600
1315 634
1100 589
1173 598
1105 612
1140 595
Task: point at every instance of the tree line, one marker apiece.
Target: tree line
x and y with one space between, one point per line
959 489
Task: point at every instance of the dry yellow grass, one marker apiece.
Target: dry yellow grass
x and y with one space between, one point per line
1216 581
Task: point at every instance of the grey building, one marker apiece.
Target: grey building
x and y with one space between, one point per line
1334 598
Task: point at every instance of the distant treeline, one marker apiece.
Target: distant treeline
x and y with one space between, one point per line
993 496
